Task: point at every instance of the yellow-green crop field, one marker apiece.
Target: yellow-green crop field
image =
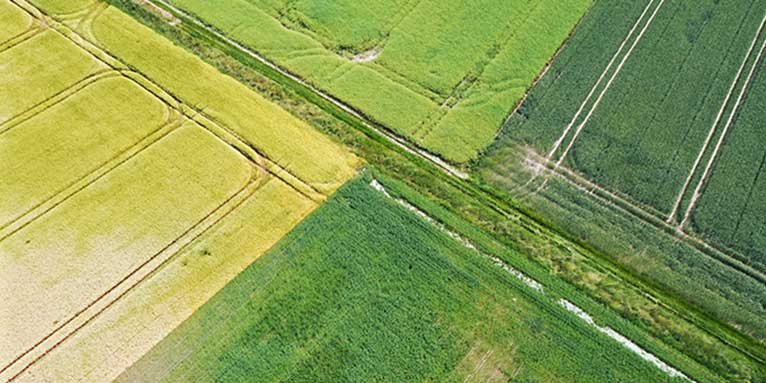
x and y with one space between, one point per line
440 73
131 191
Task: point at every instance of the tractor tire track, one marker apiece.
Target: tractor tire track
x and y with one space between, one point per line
706 173
609 84
74 187
138 275
57 98
367 122
20 38
592 91
712 130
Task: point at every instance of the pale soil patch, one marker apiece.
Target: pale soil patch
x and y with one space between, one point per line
169 17
59 264
143 317
367 56
102 276
483 364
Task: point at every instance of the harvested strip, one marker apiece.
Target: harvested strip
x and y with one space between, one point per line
39 68
59 263
65 143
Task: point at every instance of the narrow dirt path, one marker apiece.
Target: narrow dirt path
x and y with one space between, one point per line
382 131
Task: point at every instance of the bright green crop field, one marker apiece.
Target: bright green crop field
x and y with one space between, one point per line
442 74
365 290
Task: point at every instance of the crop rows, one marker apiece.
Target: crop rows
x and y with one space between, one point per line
364 276
116 185
418 71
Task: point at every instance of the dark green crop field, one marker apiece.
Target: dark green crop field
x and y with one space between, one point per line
732 208
645 139
365 290
643 136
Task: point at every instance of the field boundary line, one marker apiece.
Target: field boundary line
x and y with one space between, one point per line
609 84
389 74
57 98
180 106
708 167
138 275
21 37
720 114
60 196
719 254
471 79
592 91
381 130
623 341
592 187
230 138
532 283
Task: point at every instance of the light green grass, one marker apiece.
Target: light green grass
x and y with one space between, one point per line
39 68
61 145
447 75
364 290
291 143
343 25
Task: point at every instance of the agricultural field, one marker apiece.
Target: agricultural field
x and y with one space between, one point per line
424 69
732 203
643 140
131 192
279 190
366 289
